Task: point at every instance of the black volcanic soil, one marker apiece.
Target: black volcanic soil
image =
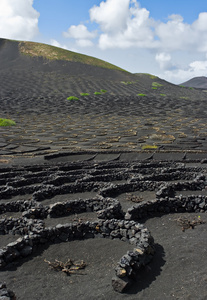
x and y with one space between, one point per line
178 269
34 93
111 126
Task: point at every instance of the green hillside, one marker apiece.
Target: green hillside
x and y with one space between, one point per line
55 53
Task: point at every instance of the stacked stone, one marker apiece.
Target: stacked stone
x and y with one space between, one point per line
48 191
37 212
130 231
168 189
86 176
53 180
105 207
162 176
112 211
10 191
130 264
167 205
18 206
114 189
22 247
20 226
5 293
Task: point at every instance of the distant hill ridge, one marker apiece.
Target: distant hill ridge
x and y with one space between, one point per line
196 82
36 70
41 57
53 53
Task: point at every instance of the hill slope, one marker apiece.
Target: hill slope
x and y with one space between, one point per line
136 110
54 53
197 82
36 70
41 57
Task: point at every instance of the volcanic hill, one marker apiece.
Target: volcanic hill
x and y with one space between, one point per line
196 82
30 66
131 147
110 108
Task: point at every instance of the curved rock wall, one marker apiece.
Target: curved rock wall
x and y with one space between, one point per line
42 182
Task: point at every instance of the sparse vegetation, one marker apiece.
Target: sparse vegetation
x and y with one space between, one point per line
187 223
84 94
150 75
70 267
127 82
7 122
149 147
167 138
141 95
55 53
97 93
184 97
156 84
154 88
134 198
164 95
72 98
103 91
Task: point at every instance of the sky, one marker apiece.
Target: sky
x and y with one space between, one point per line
164 38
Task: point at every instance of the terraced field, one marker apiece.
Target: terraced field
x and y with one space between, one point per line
116 179
44 206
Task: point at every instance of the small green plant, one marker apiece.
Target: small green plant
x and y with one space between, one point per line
164 95
186 98
156 84
127 82
6 122
149 147
103 91
191 88
84 94
182 86
141 95
72 98
97 93
154 88
150 75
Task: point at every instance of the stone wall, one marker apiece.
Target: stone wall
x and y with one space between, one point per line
5 293
128 231
167 205
45 181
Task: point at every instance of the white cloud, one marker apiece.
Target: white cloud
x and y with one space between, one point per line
124 24
111 15
194 69
199 27
84 43
18 19
177 35
164 60
201 23
199 66
79 32
82 35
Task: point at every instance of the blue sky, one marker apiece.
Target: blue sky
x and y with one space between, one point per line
165 38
